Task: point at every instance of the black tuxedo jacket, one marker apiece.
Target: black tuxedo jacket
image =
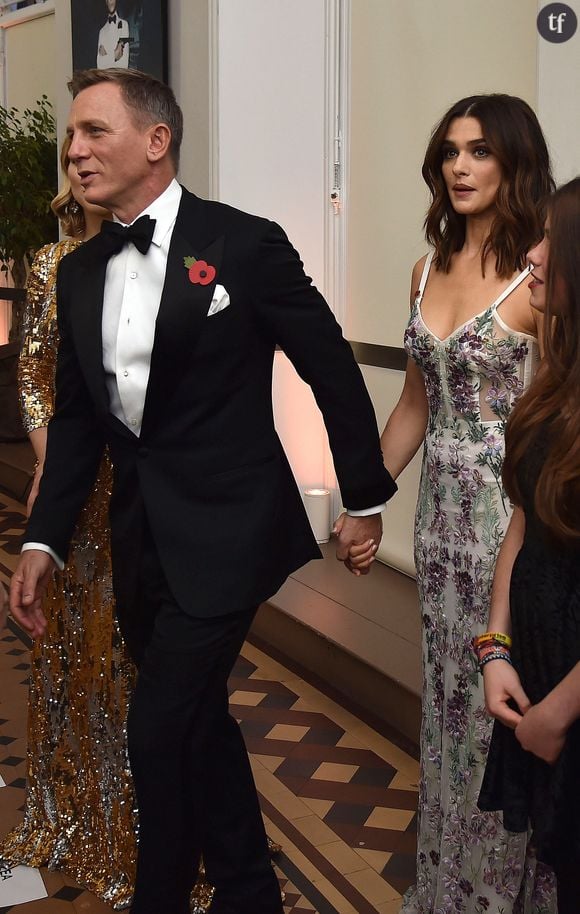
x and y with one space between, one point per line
208 469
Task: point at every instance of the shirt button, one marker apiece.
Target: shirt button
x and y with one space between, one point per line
126 373
133 422
133 275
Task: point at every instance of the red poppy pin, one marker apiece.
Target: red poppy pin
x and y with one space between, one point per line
199 271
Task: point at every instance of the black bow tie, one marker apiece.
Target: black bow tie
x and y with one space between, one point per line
113 18
115 236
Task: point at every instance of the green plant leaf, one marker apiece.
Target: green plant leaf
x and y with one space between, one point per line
28 181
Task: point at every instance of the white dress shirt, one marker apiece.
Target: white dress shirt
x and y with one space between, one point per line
133 287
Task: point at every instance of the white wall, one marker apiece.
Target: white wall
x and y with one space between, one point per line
558 94
29 55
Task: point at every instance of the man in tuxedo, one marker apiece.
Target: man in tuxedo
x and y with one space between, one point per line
113 42
168 330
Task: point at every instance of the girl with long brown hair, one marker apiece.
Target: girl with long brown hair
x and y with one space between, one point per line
472 346
532 771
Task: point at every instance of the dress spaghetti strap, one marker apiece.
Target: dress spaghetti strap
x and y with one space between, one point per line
425 274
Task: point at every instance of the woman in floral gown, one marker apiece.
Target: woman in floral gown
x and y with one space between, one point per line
472 349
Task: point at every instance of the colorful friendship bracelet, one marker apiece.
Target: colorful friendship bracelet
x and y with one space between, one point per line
489 649
494 637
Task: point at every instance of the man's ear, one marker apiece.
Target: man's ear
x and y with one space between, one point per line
159 141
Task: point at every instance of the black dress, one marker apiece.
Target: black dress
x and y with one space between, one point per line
545 615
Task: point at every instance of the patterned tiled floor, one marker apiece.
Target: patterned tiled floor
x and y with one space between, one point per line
338 793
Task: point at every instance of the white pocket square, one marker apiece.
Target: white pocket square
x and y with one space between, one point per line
219 302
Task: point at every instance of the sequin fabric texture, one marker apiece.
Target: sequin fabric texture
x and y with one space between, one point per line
466 862
80 814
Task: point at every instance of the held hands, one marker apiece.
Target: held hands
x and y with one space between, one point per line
29 582
502 683
537 728
540 732
358 539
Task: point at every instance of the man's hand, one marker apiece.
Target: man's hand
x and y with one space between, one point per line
358 539
29 581
540 731
118 51
502 683
102 52
3 606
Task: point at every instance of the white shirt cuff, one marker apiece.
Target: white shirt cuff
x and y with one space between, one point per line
366 512
44 548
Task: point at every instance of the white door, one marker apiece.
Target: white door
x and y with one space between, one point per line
275 98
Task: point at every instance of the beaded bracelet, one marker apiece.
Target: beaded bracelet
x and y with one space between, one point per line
495 655
481 652
493 637
492 650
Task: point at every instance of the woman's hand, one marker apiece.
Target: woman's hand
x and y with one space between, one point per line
360 555
502 683
541 732
34 489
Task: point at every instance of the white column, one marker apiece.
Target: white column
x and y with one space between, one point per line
274 156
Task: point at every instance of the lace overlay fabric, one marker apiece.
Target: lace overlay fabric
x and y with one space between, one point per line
466 862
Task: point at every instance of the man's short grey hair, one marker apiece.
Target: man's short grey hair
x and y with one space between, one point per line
149 100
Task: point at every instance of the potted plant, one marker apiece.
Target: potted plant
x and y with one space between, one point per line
28 182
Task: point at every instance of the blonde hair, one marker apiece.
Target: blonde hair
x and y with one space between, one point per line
69 213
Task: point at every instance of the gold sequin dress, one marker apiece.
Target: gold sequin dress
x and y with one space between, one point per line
80 814
80 811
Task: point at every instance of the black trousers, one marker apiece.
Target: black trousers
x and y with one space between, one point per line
568 881
194 786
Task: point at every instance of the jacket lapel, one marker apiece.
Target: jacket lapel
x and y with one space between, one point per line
182 313
86 320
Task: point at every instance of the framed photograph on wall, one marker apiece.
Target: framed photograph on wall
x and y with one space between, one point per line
120 33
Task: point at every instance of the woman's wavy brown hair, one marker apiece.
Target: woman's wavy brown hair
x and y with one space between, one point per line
551 405
71 217
514 136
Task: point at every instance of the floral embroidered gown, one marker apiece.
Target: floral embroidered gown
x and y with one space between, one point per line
466 862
